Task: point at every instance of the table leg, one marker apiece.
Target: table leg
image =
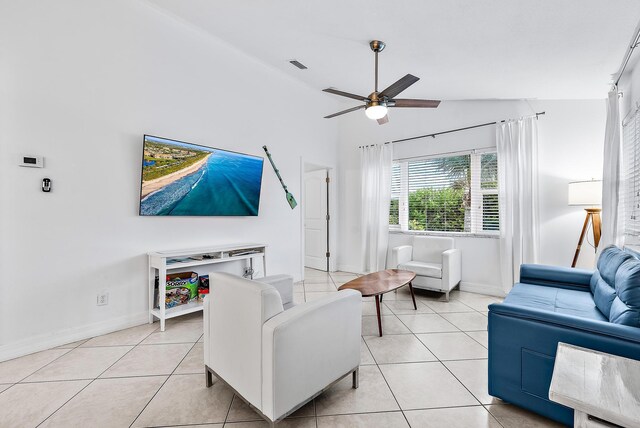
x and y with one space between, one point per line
378 311
413 297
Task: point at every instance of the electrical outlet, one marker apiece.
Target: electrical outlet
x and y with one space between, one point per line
103 299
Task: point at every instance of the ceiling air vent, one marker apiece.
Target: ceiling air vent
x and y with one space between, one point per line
298 64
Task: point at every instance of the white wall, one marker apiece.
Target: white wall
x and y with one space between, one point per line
81 82
570 148
629 86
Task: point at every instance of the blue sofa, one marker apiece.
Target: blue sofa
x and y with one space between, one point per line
598 310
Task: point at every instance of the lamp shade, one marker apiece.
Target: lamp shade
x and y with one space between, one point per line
585 192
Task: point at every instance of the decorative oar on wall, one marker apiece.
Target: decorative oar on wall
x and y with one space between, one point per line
290 199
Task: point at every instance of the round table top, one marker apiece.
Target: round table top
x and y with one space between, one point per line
380 282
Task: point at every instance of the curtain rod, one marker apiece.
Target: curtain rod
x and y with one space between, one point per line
635 41
450 131
457 152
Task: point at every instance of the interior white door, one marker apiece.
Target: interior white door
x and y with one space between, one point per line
315 219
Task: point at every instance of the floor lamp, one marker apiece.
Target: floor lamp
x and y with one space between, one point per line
587 193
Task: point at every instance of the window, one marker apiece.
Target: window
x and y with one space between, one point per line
446 194
631 178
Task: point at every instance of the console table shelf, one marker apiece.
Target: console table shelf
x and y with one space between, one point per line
161 262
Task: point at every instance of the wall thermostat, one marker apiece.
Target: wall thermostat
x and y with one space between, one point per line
46 185
32 161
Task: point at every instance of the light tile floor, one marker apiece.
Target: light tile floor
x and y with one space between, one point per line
428 370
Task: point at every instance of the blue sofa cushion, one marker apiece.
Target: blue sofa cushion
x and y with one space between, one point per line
555 276
625 308
603 294
634 253
623 314
560 300
609 262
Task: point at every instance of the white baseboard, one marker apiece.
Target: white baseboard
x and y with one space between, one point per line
51 340
490 290
349 268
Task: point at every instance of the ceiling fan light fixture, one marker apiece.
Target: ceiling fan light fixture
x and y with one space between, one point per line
376 111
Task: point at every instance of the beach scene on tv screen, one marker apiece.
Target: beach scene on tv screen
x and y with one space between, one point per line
181 179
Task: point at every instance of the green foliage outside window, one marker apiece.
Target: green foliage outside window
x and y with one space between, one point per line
438 209
394 212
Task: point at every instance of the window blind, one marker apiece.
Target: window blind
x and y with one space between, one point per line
488 193
446 194
631 177
394 209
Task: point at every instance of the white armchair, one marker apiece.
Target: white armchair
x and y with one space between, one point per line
278 360
435 261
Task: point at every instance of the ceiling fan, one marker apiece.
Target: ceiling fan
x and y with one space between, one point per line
377 103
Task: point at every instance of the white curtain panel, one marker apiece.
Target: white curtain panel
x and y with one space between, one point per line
517 146
612 223
375 164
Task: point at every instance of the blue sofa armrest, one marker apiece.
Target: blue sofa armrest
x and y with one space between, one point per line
602 328
556 276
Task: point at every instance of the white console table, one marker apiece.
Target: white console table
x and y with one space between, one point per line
603 389
163 262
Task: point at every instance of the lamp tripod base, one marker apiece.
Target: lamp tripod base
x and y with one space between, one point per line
593 216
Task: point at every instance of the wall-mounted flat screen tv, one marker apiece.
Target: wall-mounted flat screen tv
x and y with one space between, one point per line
182 179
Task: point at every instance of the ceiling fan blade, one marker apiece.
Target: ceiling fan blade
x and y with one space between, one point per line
414 103
384 120
399 86
349 110
346 94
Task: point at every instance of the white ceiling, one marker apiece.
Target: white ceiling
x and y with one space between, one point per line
461 49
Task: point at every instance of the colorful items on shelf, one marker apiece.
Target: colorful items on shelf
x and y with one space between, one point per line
182 287
203 288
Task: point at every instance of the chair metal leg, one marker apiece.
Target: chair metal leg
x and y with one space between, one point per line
355 378
208 376
447 295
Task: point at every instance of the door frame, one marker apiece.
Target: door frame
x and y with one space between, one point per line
333 211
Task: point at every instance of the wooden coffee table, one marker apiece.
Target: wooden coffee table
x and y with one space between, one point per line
378 283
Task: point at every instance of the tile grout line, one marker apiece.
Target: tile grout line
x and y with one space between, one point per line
492 415
226 416
94 379
163 383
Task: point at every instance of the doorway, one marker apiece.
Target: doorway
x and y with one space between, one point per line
317 220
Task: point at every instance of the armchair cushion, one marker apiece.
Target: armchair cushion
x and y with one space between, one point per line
430 248
284 285
433 270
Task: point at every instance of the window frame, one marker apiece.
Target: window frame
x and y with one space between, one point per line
477 194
